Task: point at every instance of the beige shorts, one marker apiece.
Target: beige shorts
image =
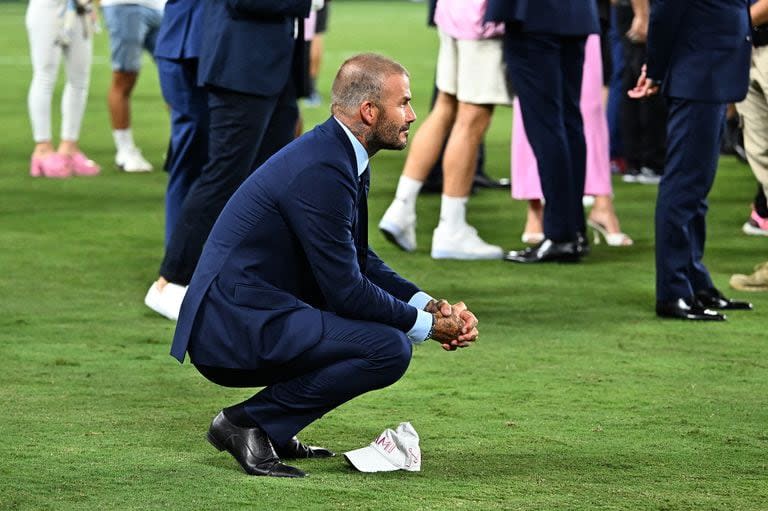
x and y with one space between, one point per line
472 70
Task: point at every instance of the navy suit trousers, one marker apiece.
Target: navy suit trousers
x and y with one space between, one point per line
352 358
188 148
245 130
546 72
694 130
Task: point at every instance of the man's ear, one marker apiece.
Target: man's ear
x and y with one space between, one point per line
369 112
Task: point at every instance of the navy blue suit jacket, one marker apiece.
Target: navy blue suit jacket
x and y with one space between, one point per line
248 45
290 243
560 17
700 49
181 32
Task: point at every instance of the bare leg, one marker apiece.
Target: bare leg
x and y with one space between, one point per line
428 140
119 98
460 158
534 222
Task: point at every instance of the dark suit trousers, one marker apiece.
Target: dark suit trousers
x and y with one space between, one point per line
244 131
352 358
694 130
546 71
188 148
643 122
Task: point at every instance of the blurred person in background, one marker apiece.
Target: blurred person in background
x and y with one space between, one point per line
544 55
754 112
698 57
252 114
525 177
56 29
133 26
470 79
177 55
643 123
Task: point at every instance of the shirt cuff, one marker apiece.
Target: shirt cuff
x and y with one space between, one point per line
420 300
423 324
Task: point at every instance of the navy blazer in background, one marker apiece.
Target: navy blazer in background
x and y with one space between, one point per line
560 17
248 45
180 39
292 241
700 48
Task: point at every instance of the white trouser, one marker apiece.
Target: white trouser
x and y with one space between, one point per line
754 111
43 26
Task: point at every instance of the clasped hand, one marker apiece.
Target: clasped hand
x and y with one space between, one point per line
455 326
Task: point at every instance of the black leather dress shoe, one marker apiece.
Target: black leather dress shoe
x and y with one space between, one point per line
483 181
713 299
687 308
250 447
545 252
296 450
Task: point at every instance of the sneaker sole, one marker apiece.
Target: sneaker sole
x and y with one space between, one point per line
463 256
751 230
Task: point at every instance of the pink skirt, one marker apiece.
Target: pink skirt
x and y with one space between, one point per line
525 173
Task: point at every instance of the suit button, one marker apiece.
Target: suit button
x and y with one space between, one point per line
748 38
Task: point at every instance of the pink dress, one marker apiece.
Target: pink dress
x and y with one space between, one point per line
525 173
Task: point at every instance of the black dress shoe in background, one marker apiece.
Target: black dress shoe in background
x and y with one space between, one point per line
712 298
545 252
481 180
250 447
296 450
687 308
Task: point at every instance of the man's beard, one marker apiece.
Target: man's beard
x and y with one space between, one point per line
386 135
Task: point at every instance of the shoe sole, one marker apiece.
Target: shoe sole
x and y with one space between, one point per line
462 256
751 230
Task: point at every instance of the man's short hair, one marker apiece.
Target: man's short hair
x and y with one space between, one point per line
361 78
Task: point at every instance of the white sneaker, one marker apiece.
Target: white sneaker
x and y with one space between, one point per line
398 225
131 160
166 302
462 243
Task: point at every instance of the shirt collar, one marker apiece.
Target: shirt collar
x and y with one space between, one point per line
361 155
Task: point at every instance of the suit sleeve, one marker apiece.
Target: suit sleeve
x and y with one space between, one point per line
388 279
253 8
319 206
667 16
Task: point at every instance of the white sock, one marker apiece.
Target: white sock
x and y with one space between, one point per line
123 139
453 211
408 190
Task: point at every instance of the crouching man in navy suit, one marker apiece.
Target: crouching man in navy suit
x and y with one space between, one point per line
698 56
289 296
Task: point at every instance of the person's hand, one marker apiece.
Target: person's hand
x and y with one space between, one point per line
439 305
457 330
638 31
644 88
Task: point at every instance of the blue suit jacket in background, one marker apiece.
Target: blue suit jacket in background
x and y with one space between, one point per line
560 17
248 45
700 49
288 245
180 35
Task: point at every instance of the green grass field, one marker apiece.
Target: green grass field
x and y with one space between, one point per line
575 397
